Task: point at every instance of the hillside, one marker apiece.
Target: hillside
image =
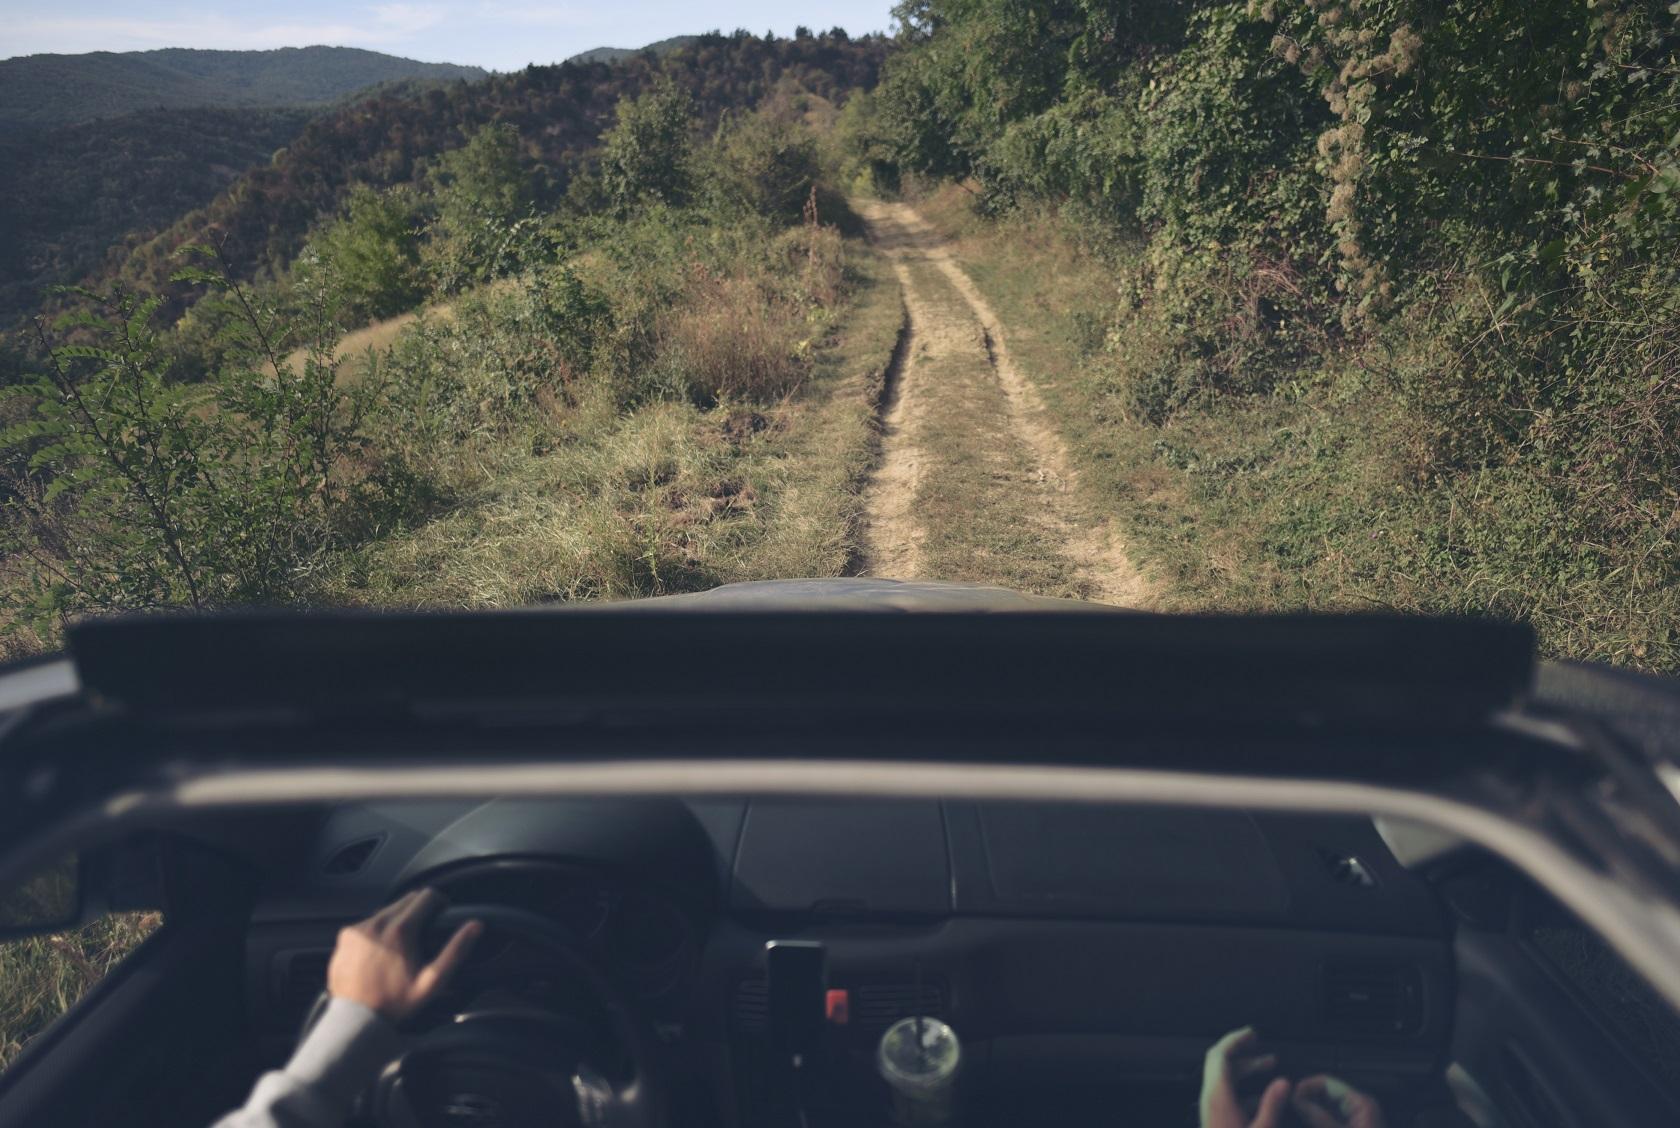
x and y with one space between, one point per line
68 194
617 54
625 340
394 136
54 90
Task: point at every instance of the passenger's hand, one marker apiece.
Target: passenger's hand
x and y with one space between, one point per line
1330 1102
1231 1059
377 962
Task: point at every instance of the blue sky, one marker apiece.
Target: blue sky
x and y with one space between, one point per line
499 34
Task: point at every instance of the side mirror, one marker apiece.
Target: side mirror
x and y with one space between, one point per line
50 900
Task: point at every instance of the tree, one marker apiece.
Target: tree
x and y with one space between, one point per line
129 490
488 175
484 190
369 260
648 153
762 163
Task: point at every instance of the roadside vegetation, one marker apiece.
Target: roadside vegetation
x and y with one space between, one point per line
41 977
1360 305
658 380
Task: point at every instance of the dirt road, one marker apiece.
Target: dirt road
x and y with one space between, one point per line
974 481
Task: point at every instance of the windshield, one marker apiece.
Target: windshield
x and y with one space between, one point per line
1190 305
816 341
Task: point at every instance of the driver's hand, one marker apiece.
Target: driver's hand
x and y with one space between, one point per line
1229 1060
1330 1102
377 962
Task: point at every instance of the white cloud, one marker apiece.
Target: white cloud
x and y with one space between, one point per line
409 19
383 25
499 13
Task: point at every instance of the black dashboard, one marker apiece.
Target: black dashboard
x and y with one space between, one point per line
1080 951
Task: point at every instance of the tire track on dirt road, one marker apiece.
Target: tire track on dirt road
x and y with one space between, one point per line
965 433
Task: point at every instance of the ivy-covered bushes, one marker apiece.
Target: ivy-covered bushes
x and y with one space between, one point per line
1477 204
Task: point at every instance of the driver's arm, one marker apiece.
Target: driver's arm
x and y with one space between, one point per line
375 980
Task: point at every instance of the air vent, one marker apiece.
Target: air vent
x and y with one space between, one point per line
352 856
874 1006
749 1010
1373 997
302 977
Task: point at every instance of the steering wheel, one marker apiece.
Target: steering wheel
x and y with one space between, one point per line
522 1066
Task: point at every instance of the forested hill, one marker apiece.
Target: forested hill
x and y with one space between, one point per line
560 111
614 54
51 90
68 194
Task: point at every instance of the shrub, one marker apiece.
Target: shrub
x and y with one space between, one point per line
508 356
368 261
132 491
762 163
1088 149
484 193
647 154
726 340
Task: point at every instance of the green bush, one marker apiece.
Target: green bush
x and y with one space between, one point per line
762 163
1089 148
484 194
507 356
367 263
1488 191
131 491
647 155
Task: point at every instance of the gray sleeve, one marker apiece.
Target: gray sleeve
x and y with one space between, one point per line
341 1055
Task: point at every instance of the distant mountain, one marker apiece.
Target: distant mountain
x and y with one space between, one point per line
52 90
262 218
614 54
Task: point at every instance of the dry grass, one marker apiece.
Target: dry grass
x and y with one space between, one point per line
729 341
378 337
44 976
750 337
671 497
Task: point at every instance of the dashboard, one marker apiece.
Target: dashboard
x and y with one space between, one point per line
1085 953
